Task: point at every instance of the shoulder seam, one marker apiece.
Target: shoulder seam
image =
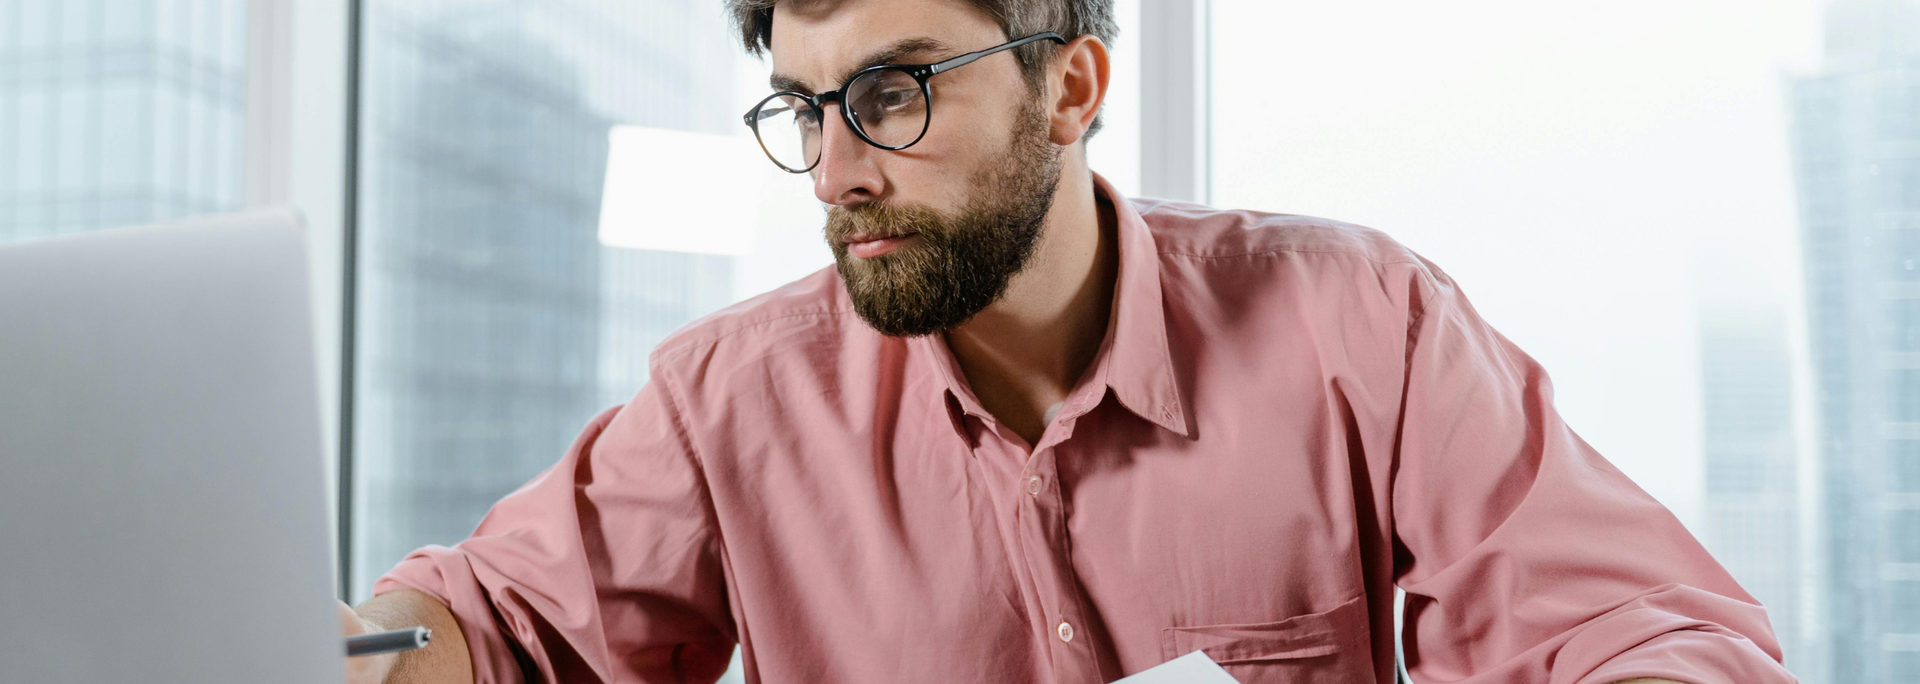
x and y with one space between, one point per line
1290 250
663 353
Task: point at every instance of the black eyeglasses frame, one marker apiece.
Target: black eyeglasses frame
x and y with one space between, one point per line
920 74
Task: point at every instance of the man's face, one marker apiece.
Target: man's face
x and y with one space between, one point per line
928 236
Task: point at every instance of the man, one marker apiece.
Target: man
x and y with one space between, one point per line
1028 430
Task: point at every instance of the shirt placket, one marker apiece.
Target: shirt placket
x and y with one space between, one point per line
1042 524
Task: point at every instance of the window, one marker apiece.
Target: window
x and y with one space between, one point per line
1632 193
1716 263
490 319
118 114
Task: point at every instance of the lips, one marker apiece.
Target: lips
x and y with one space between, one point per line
868 247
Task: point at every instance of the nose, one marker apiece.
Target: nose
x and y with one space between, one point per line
847 173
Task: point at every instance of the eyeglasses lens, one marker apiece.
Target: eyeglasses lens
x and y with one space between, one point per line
889 105
789 129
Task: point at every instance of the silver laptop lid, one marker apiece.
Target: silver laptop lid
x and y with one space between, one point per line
162 496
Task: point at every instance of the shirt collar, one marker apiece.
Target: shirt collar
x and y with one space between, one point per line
1133 361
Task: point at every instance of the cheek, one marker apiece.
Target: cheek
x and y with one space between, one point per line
939 171
968 126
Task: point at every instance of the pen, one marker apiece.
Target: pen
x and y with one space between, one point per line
388 642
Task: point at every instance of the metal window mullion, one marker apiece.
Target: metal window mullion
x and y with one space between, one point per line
1175 126
298 152
267 154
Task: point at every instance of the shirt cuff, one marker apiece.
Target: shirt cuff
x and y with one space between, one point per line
1694 657
447 575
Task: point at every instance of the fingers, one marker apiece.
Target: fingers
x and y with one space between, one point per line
365 670
350 622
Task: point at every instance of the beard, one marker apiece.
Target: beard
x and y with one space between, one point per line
960 263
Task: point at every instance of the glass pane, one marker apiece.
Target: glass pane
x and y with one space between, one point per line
506 149
119 113
492 324
1701 223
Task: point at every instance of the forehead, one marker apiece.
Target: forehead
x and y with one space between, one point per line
820 42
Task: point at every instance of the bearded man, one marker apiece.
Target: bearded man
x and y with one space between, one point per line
1029 430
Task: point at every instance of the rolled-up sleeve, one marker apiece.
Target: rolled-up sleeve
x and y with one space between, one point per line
1525 555
605 568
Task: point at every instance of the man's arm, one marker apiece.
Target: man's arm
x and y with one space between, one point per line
443 661
606 567
1525 555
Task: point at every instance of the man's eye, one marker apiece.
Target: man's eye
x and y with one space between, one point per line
895 99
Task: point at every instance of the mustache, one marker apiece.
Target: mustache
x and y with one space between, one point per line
876 220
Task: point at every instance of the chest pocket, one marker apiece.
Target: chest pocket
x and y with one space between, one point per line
1318 648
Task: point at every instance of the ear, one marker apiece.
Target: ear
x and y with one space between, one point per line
1078 83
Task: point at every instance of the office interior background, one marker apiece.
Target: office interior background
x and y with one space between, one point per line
1703 216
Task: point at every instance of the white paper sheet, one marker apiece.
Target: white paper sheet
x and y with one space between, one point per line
1192 668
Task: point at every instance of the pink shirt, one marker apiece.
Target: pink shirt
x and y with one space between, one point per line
1288 418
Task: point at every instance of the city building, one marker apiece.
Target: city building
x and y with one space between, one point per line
491 323
1856 138
118 114
1752 511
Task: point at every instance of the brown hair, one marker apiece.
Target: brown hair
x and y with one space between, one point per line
1018 18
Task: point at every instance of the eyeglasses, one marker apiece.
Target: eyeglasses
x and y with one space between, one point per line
889 106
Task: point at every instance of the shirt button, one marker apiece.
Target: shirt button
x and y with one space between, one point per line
1066 631
1033 485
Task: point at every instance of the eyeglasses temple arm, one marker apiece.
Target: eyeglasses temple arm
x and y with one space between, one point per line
968 58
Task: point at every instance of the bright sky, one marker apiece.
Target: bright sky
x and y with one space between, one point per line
1588 172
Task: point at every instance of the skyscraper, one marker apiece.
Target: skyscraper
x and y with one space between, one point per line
1857 156
492 323
1752 508
119 113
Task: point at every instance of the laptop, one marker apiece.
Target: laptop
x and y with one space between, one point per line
163 513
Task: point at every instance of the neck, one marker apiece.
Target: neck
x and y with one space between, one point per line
1025 352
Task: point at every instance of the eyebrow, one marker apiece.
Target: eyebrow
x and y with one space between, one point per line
888 55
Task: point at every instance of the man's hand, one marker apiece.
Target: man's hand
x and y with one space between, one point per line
365 669
444 661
